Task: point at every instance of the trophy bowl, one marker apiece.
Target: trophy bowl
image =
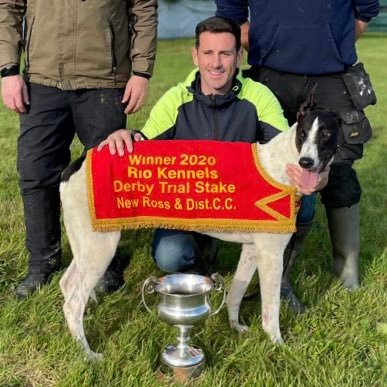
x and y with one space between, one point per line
184 302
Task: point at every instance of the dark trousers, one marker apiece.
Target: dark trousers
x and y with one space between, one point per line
46 132
331 93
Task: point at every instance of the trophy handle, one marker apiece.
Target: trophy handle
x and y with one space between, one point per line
148 287
218 286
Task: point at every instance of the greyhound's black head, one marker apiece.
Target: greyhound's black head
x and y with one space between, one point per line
317 135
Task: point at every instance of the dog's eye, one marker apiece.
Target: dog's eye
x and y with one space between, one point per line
303 134
326 133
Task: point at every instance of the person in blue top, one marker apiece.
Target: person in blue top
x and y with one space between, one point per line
293 47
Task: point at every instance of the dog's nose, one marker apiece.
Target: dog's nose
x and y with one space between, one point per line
306 162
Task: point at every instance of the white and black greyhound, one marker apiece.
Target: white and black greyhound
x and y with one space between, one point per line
311 142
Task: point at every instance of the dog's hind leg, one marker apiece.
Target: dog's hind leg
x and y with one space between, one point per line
270 248
70 276
68 279
247 266
80 279
92 254
75 293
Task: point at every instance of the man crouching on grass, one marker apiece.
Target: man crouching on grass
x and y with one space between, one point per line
215 102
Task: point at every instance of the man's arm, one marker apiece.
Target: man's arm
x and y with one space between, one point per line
14 93
143 21
245 35
161 121
365 10
269 111
123 139
360 28
119 140
13 88
11 25
163 116
237 11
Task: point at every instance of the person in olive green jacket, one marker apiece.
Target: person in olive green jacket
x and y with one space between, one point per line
87 65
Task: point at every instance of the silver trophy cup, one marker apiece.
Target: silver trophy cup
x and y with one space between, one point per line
184 303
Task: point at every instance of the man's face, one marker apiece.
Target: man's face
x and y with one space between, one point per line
217 60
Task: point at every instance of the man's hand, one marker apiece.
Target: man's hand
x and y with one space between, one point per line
14 93
245 35
360 28
295 173
136 91
118 140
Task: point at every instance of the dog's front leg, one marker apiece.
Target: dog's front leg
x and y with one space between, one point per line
247 266
270 248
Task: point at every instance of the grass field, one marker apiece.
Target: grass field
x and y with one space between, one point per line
340 341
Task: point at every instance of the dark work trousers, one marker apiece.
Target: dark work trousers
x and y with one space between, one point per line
46 132
343 188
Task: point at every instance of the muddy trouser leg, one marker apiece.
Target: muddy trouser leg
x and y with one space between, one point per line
97 113
46 133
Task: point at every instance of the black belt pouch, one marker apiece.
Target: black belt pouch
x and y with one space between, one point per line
359 86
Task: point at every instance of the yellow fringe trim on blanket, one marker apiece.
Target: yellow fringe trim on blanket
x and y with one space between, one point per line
211 225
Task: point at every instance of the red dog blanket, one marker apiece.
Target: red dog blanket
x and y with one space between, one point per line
187 185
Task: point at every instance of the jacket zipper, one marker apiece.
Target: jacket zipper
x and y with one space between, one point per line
215 117
28 42
112 41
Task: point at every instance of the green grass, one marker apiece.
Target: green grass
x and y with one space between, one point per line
341 341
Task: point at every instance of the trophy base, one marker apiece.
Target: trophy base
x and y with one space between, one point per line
182 374
172 356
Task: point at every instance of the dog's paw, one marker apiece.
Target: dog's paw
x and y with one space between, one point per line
277 340
242 328
94 356
239 327
93 296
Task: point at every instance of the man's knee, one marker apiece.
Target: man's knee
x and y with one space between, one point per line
41 167
173 251
343 188
306 212
35 175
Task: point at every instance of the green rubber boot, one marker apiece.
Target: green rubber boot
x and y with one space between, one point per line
344 230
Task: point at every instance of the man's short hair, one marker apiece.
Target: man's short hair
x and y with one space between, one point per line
218 24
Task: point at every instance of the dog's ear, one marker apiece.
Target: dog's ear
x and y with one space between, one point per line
308 104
